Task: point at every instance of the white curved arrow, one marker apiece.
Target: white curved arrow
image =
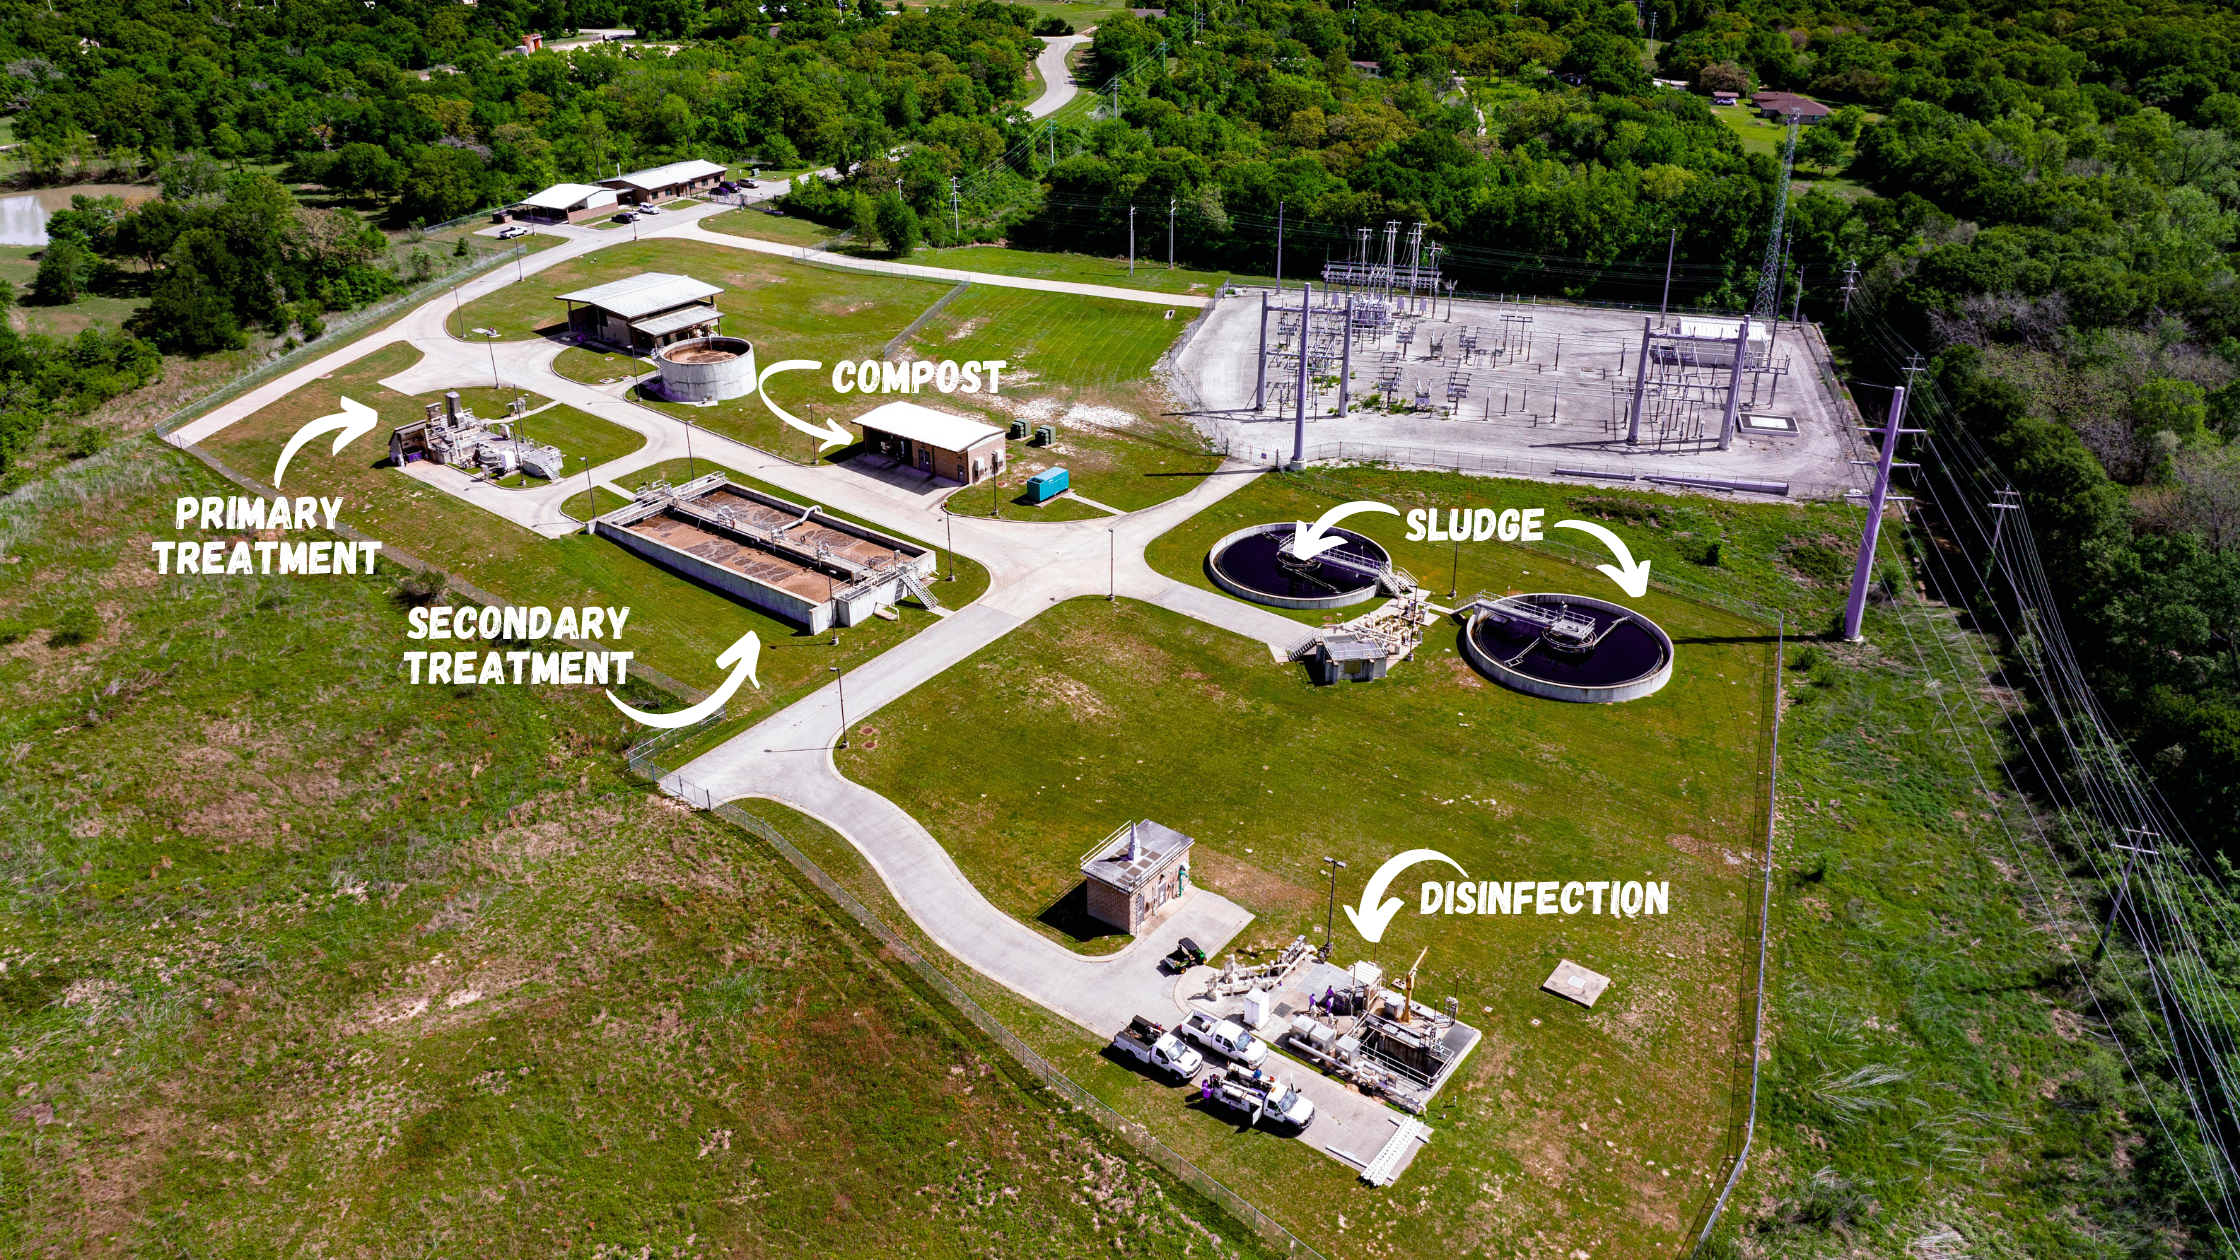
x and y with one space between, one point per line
832 434
347 425
1631 578
1371 919
1309 541
740 655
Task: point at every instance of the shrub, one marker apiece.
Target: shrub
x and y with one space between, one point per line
1820 562
420 587
78 625
84 441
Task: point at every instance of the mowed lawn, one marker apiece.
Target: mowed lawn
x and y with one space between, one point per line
677 626
762 226
1084 367
1155 277
1605 1128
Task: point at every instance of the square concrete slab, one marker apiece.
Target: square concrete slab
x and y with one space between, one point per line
1570 980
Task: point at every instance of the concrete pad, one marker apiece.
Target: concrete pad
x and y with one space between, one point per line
518 506
1570 980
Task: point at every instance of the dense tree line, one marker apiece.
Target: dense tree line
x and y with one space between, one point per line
422 101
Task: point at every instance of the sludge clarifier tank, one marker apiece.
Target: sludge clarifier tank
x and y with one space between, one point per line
1256 563
1567 647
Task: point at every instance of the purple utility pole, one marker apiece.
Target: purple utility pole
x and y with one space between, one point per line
1856 610
1299 423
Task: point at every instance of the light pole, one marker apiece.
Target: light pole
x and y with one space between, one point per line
1112 566
840 680
949 522
1131 242
490 339
1172 202
1330 915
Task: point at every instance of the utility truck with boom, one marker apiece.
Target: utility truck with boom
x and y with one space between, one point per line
1258 1096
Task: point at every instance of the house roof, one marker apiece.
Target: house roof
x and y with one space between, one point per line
1786 101
1156 847
659 177
684 317
937 429
569 196
648 293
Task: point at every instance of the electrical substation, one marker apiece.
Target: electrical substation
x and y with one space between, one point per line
1380 358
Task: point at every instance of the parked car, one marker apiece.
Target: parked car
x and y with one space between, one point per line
649 209
626 217
727 187
750 184
507 234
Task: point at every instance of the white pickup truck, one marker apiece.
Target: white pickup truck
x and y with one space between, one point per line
1225 1037
1154 1047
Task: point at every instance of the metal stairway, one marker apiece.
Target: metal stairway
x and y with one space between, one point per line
921 590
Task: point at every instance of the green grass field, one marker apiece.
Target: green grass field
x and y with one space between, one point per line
587 440
1096 713
1083 366
684 625
769 227
390 971
1152 276
596 367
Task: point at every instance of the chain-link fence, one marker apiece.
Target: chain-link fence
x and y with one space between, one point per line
1135 1135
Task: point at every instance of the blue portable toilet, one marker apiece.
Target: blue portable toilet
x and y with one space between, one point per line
1047 485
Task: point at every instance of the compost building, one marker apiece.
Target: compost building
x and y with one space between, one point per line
936 443
644 311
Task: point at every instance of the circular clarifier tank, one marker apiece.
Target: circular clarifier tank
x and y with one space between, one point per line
1251 564
1569 647
707 369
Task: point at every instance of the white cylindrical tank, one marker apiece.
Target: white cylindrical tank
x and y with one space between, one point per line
707 369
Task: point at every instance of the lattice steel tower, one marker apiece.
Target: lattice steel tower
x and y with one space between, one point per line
1769 283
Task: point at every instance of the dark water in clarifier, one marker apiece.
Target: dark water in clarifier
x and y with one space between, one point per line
1250 562
1628 652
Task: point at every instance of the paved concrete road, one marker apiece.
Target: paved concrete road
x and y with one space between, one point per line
1058 86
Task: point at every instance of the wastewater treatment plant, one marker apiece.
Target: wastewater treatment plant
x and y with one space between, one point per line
715 736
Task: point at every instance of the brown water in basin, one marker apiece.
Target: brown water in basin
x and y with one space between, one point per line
700 355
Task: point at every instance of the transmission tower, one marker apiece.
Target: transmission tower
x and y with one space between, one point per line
1769 284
